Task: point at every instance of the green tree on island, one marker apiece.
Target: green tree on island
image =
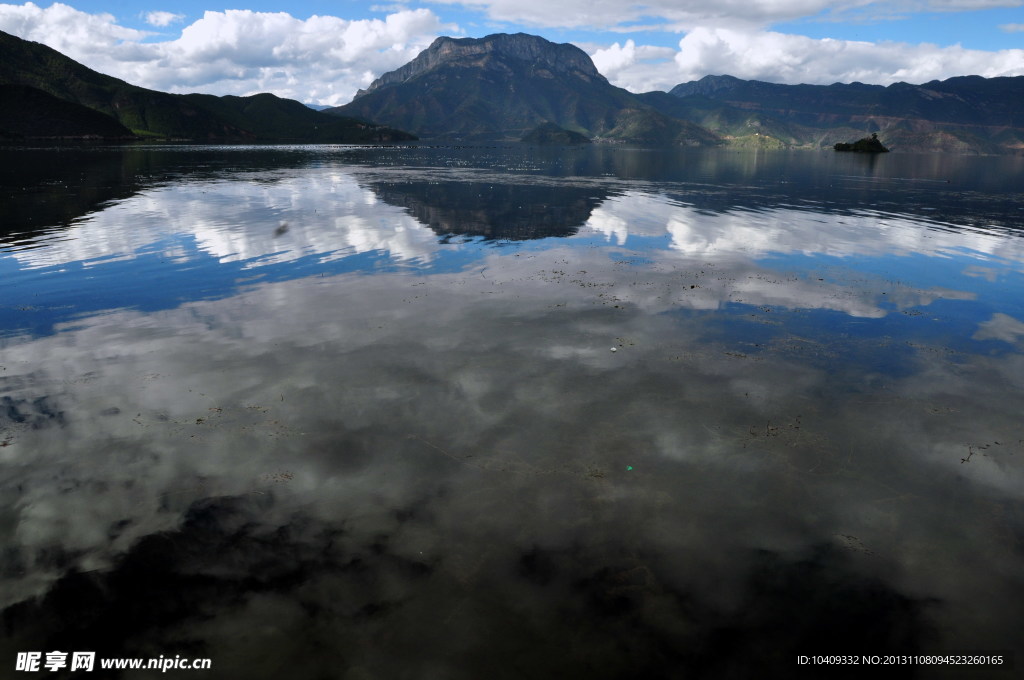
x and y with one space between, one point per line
866 145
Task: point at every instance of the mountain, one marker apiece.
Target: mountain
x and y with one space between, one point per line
962 114
739 128
267 116
30 113
149 113
502 86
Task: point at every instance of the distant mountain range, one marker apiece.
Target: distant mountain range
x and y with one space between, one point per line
963 114
44 94
501 86
504 86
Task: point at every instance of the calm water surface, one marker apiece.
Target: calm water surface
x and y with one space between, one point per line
335 412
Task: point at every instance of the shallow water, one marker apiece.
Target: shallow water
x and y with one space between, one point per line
504 412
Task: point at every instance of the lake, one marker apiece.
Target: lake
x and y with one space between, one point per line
511 412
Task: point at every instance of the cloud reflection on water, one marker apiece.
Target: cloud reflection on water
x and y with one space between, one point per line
473 398
424 470
328 214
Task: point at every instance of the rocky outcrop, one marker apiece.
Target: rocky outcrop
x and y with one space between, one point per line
542 56
866 145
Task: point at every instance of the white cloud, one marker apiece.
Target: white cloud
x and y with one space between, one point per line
679 16
66 29
638 68
322 59
614 57
661 14
780 57
325 59
786 58
1012 28
160 18
618 58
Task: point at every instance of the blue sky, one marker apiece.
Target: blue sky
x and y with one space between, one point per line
322 51
979 29
975 29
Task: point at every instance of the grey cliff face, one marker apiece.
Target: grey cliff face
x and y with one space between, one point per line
493 52
707 85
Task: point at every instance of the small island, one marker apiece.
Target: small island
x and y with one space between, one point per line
866 145
549 134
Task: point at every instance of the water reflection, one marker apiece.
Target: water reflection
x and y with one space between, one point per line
352 447
494 211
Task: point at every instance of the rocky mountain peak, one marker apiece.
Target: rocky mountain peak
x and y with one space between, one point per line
706 86
493 52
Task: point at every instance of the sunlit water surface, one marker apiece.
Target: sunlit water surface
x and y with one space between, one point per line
331 412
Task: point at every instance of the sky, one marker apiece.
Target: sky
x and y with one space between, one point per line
324 51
